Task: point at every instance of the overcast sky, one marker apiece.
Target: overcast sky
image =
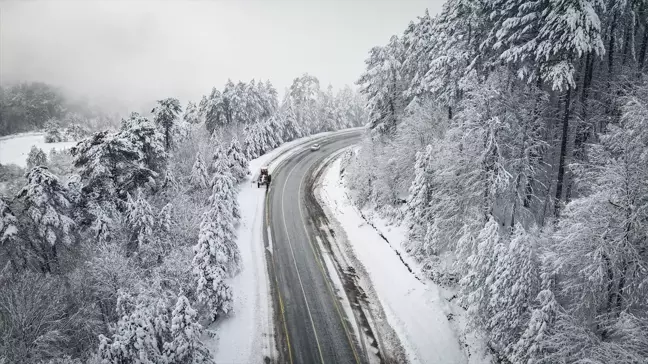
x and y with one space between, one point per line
137 51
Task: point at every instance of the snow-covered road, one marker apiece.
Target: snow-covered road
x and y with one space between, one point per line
248 334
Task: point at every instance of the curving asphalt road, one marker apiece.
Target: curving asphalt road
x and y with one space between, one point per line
313 325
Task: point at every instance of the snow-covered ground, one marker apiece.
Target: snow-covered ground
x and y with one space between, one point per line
247 335
15 148
429 327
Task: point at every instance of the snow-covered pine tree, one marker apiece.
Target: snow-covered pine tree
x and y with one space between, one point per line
191 114
419 200
165 219
36 157
48 210
418 43
199 175
259 139
514 282
170 182
277 125
513 37
111 165
213 110
382 85
224 189
53 132
9 245
238 162
141 333
165 114
220 163
141 221
164 230
250 147
570 29
476 284
147 139
271 135
210 259
186 345
531 347
292 128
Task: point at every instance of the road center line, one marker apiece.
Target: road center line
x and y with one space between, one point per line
283 214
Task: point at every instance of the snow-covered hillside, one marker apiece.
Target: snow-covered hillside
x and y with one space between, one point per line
429 327
15 148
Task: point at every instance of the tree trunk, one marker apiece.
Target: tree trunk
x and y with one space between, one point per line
583 129
626 41
611 45
563 154
167 137
528 189
642 50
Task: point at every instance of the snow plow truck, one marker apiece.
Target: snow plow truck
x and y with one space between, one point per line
264 178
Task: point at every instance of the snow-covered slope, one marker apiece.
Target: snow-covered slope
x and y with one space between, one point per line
416 308
15 148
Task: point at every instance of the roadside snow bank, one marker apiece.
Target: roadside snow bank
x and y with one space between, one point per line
248 334
426 323
14 149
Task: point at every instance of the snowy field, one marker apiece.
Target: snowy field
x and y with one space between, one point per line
247 335
15 148
417 309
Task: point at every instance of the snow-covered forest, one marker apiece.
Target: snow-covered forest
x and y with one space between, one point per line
511 136
121 249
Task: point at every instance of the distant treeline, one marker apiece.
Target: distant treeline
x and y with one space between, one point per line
28 106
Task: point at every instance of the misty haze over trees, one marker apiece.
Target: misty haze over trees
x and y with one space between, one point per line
510 136
37 106
122 251
516 133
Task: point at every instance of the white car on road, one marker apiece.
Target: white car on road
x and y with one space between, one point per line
315 147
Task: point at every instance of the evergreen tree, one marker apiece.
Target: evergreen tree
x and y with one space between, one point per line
419 198
199 177
53 131
210 258
191 115
213 110
148 141
110 166
476 285
531 347
221 162
250 146
170 182
36 157
165 115
141 221
224 189
382 85
48 211
152 330
514 282
9 244
186 345
238 162
165 219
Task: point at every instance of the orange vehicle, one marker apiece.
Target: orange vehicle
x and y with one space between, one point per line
264 177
